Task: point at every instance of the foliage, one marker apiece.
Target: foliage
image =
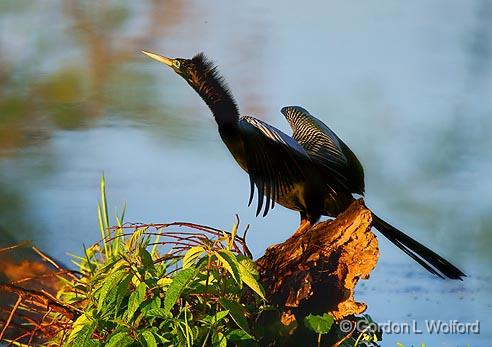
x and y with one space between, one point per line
346 336
177 284
319 324
155 287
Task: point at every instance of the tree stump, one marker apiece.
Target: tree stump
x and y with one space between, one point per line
317 271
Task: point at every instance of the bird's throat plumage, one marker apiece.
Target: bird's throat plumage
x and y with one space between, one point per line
210 85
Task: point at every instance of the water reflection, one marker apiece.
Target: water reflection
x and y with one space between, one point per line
408 86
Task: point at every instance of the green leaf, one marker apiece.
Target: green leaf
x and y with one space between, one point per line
134 240
80 329
102 229
191 255
241 338
164 281
136 298
111 304
158 312
249 279
147 260
219 340
151 304
216 317
236 311
232 237
319 324
102 211
83 336
91 343
228 260
219 316
104 202
147 339
249 264
162 340
122 291
120 339
122 216
109 284
112 266
91 266
180 280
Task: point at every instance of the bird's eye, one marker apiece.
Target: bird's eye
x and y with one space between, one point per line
176 64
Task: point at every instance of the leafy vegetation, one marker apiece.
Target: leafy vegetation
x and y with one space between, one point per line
319 324
343 335
177 284
155 287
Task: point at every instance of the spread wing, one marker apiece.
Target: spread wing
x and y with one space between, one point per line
274 161
325 148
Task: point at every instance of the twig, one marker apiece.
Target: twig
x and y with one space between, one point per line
49 275
40 299
9 248
339 342
244 244
11 315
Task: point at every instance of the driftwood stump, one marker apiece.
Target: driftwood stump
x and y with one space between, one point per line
317 271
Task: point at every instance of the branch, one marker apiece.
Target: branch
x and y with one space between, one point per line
317 271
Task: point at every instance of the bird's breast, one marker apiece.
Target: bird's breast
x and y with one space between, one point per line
234 143
293 198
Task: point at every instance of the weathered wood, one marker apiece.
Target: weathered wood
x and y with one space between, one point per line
317 271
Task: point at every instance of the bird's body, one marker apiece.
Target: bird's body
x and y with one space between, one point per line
289 175
313 171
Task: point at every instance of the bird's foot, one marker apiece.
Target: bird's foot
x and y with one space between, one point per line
304 227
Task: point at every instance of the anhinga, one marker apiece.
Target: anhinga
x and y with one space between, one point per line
313 171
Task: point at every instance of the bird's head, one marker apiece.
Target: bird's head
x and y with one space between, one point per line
195 70
203 76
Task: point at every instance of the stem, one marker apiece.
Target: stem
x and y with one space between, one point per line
206 339
223 275
208 276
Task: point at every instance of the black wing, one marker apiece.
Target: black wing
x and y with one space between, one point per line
325 148
274 161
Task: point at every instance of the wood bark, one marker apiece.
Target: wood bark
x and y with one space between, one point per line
317 271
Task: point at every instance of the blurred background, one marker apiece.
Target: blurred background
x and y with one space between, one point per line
407 85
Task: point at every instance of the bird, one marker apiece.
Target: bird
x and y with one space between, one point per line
312 171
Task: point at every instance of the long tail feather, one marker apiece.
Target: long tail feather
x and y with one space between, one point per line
430 260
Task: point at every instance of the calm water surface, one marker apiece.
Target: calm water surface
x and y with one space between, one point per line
407 85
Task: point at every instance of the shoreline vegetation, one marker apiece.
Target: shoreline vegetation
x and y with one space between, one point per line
183 284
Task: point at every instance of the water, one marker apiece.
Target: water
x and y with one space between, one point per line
407 85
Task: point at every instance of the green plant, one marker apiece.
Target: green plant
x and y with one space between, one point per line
319 324
177 284
340 332
155 286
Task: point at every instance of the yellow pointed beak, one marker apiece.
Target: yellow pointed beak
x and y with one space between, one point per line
159 58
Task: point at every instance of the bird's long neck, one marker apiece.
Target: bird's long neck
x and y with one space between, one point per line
209 84
220 101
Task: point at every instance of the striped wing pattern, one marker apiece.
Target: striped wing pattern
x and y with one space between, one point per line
314 136
274 161
326 149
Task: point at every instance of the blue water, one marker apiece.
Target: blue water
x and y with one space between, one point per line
407 85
